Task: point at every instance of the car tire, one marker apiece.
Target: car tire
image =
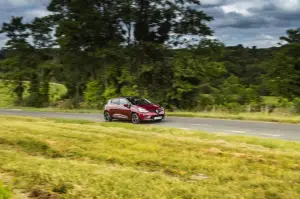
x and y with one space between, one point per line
107 117
135 119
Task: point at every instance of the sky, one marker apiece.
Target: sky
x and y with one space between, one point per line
248 22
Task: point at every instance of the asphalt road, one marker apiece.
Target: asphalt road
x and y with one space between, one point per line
252 128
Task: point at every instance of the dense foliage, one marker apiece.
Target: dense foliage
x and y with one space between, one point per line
107 48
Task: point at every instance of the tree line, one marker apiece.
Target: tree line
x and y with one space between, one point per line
101 49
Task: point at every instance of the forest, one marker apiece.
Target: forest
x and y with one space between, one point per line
101 49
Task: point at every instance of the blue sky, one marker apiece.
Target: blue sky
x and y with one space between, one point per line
247 22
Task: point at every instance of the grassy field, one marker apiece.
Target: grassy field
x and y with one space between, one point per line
46 159
7 97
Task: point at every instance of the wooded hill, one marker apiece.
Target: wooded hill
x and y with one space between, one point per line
102 49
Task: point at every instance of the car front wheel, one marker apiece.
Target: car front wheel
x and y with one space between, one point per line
107 117
135 118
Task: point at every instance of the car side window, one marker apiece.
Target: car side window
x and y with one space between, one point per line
123 102
115 101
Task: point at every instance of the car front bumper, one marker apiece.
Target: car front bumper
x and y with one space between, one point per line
152 116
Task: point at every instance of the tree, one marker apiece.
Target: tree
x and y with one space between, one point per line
18 52
284 67
293 36
41 30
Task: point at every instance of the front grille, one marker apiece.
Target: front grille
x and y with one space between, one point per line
163 117
154 111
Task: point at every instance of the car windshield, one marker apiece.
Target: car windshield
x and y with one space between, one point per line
138 101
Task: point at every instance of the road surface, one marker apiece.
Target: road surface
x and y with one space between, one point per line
252 128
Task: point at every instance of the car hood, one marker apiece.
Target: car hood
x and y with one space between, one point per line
149 107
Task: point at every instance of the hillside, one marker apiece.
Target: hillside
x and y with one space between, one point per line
79 159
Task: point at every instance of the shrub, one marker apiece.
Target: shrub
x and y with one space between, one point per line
205 102
285 103
234 107
93 95
296 104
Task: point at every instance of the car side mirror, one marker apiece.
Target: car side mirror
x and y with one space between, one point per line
127 105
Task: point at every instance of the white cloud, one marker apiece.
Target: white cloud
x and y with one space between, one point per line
266 37
289 5
39 12
14 2
261 43
239 7
3 40
212 2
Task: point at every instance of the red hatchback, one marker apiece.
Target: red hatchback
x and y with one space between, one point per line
133 108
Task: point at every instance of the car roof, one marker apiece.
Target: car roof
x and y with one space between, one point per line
126 97
129 97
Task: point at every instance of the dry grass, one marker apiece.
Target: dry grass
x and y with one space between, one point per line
79 159
290 118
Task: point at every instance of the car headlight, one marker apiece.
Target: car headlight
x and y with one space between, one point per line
143 110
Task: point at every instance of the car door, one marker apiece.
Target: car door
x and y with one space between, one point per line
115 110
125 112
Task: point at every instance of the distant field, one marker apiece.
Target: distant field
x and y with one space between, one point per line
79 159
7 97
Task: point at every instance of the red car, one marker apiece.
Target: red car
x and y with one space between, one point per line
134 109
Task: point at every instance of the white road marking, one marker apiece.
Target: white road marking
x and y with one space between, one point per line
14 109
201 125
234 131
273 135
184 128
241 132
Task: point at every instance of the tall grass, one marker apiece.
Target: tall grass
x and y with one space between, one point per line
71 159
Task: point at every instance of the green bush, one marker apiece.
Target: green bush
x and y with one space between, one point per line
93 95
5 193
296 104
234 107
284 103
8 97
205 102
57 91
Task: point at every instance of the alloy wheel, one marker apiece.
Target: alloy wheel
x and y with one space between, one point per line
135 118
107 117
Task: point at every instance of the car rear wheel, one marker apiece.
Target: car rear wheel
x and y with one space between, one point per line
135 118
107 117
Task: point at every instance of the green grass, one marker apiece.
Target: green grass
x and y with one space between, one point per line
5 193
271 100
77 159
7 96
